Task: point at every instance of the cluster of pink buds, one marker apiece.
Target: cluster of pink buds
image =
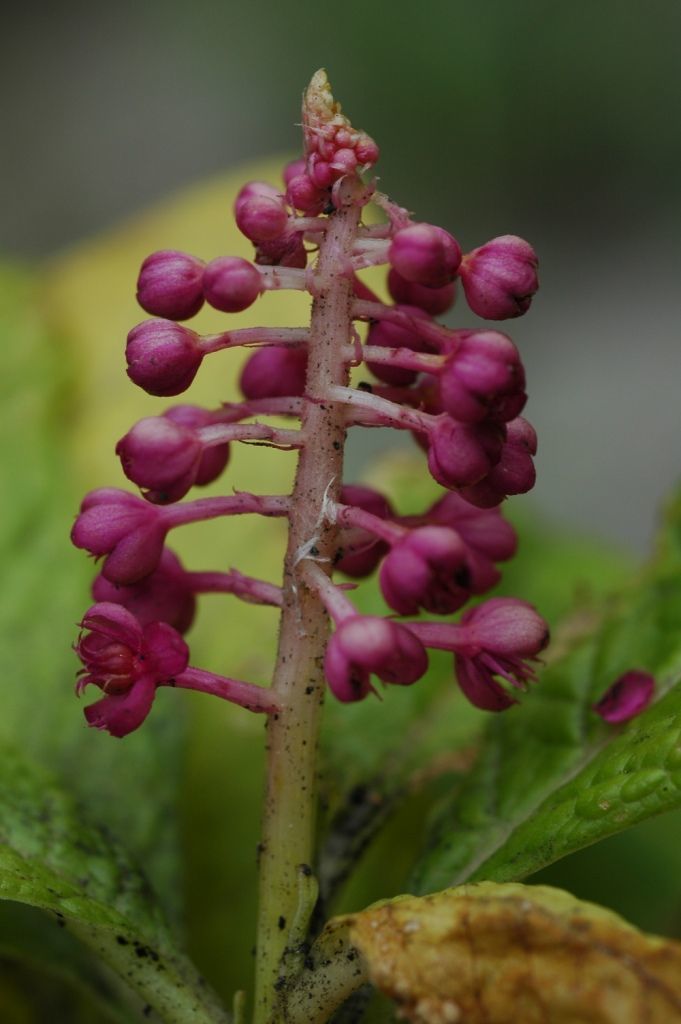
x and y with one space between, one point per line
459 392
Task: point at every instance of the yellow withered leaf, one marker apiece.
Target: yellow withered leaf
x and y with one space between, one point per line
516 954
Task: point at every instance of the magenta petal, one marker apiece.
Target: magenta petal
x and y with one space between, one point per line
121 714
627 697
114 622
167 651
482 690
101 526
137 555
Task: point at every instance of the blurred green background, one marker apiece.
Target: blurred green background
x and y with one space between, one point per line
559 122
556 122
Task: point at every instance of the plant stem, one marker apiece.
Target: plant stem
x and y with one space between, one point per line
290 801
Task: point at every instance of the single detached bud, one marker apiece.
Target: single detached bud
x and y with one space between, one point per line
214 459
425 254
170 284
262 218
498 638
428 569
273 372
483 379
627 697
434 301
163 358
500 278
365 644
127 662
231 284
164 596
162 457
513 473
125 528
461 454
388 335
359 551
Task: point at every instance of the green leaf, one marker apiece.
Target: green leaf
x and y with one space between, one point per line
56 971
52 858
551 777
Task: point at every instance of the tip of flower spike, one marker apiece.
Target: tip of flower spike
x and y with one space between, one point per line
318 101
333 148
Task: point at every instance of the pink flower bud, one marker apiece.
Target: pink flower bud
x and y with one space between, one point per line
164 596
514 472
231 284
359 552
293 169
262 218
344 161
170 284
425 254
426 569
304 195
163 357
489 538
461 454
627 697
125 528
505 634
321 172
214 459
389 335
364 644
162 457
483 379
498 638
127 662
366 150
286 251
432 300
251 190
274 372
500 278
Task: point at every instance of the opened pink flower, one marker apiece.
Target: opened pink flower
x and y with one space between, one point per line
127 662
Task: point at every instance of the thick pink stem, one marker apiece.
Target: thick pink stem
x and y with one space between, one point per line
380 411
219 433
234 582
370 252
289 824
404 357
332 597
213 508
352 516
442 636
277 278
234 412
254 336
246 695
435 334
